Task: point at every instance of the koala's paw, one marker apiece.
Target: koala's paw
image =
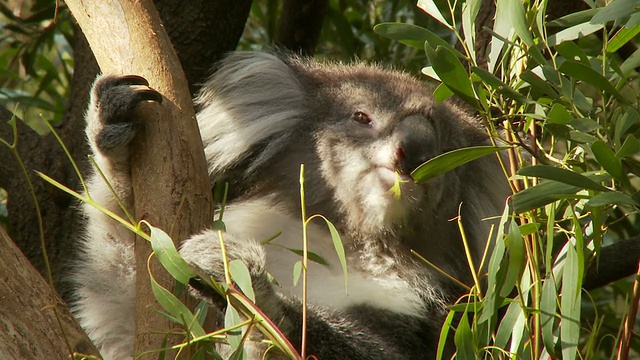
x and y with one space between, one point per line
111 117
203 252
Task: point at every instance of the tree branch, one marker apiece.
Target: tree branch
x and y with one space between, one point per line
34 321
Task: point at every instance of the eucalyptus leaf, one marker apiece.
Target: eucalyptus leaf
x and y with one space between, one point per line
611 198
623 36
451 72
608 160
176 308
561 175
240 275
413 35
589 75
547 313
169 257
450 160
430 7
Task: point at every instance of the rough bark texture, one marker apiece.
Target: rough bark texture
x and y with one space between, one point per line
300 24
26 299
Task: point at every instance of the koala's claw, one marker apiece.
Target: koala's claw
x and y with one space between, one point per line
116 99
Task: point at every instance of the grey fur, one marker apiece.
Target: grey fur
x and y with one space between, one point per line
261 116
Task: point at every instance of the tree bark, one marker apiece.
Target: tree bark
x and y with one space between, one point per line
171 186
34 322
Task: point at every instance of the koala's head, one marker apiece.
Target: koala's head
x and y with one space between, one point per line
374 127
361 128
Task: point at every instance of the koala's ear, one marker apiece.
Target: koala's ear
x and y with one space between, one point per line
252 97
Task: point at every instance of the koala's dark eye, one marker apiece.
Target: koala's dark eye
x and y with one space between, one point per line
361 118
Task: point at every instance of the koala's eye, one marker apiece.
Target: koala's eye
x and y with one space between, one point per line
361 118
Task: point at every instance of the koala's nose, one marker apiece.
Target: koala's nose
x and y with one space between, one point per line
415 143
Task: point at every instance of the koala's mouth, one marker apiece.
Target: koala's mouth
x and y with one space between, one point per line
393 181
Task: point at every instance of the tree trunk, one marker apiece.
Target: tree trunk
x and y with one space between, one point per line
34 322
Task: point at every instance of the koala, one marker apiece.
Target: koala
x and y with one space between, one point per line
359 130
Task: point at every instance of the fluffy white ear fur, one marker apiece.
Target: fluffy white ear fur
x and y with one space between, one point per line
254 97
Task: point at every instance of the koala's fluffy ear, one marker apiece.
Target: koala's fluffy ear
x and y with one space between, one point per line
252 97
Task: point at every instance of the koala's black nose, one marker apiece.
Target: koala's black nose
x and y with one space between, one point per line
415 143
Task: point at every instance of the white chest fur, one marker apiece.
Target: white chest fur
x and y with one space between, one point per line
260 219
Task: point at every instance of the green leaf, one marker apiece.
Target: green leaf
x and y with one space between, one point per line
450 160
610 198
499 86
608 160
430 7
573 33
631 63
570 51
414 36
442 93
176 308
623 36
169 257
561 175
615 11
464 339
547 314
539 84
540 195
558 115
570 305
513 13
590 76
630 147
234 338
297 272
240 275
495 272
517 259
451 72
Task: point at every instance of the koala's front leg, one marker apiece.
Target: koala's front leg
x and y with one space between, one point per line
105 275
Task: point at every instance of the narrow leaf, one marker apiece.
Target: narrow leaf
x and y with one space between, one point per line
608 160
430 7
623 36
590 76
450 160
547 314
176 308
611 198
451 72
240 275
169 257
561 175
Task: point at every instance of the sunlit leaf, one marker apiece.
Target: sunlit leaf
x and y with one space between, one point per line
169 257
451 72
430 7
570 305
573 33
623 36
589 75
608 160
450 160
175 308
547 313
240 275
611 198
561 175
